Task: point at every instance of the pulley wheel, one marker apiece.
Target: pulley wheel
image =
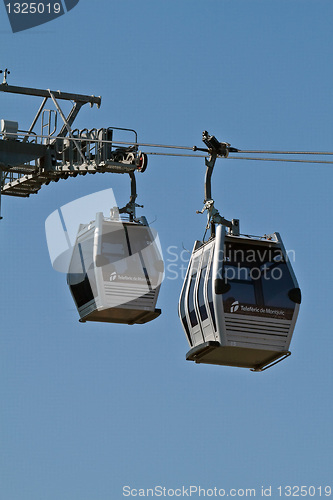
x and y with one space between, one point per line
142 162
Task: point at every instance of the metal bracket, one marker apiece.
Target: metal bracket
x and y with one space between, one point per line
78 99
214 216
263 367
67 125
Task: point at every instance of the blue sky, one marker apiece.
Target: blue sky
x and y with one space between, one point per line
89 408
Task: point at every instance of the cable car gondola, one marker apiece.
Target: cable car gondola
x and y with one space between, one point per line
240 298
116 269
239 301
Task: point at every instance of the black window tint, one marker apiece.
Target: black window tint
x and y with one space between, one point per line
145 253
276 283
183 317
242 286
82 292
201 298
193 316
117 253
258 276
210 296
81 277
114 244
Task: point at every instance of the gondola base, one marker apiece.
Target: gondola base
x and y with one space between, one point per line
121 315
214 353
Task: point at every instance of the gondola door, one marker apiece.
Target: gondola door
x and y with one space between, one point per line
196 309
191 295
204 293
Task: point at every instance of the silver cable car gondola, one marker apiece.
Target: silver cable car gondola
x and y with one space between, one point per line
240 298
116 268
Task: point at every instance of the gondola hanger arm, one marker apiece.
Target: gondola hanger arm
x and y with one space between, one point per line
215 149
130 207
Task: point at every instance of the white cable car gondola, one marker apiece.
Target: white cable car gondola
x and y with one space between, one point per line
239 302
240 298
116 269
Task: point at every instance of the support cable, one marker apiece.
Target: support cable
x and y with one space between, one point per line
193 155
289 160
188 148
254 151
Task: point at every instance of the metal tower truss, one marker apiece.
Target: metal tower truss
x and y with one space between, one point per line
29 160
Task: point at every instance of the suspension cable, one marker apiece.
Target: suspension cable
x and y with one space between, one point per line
155 153
289 160
188 148
248 151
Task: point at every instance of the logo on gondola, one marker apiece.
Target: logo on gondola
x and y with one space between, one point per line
113 276
26 15
234 306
